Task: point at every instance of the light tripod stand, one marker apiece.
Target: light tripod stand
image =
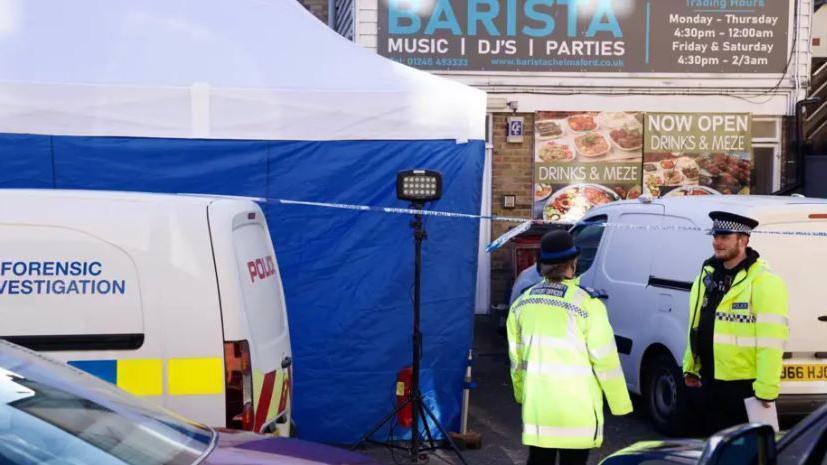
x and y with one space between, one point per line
418 186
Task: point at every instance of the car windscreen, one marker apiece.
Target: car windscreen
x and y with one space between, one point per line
63 418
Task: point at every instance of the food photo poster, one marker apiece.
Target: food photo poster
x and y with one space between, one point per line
585 159
697 153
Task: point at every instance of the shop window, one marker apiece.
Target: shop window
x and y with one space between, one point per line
766 154
763 174
766 129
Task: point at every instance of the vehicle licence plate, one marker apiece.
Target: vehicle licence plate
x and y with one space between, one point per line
808 372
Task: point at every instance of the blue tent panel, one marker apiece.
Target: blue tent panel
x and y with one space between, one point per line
354 272
347 275
26 161
161 165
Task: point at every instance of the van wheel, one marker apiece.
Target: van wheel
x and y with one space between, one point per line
665 395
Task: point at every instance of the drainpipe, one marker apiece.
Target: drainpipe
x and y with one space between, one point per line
800 109
331 14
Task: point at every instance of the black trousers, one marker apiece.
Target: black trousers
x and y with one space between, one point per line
725 403
544 456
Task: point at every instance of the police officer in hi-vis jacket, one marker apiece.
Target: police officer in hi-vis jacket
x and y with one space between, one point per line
737 325
563 359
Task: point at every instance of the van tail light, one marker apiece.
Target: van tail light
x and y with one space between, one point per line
818 216
238 380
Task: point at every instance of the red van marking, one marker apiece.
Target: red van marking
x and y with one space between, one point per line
264 400
261 268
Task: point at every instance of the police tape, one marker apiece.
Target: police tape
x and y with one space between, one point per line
401 211
523 221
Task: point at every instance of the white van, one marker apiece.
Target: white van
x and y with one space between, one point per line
645 254
176 298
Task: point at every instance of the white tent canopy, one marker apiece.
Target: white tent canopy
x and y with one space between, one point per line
228 69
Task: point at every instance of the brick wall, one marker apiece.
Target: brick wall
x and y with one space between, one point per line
317 7
512 173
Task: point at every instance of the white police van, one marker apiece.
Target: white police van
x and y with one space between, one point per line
176 298
645 255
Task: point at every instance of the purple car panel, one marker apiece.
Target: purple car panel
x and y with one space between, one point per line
243 448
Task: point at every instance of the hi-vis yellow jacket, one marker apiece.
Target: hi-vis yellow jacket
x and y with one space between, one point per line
750 329
563 358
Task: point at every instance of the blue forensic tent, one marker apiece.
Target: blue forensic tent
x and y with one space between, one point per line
258 98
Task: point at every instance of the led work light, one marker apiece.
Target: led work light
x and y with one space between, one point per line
419 186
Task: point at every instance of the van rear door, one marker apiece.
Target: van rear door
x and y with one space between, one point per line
798 259
253 307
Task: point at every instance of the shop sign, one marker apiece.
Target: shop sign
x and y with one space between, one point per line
639 36
515 129
585 159
697 153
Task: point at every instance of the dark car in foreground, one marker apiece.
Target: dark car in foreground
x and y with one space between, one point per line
53 414
749 444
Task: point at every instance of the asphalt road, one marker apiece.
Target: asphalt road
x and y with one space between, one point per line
496 416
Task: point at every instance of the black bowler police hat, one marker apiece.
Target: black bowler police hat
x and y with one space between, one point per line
557 247
728 223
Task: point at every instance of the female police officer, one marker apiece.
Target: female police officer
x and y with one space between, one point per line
563 359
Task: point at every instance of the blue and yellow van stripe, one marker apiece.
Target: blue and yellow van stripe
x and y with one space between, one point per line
145 377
